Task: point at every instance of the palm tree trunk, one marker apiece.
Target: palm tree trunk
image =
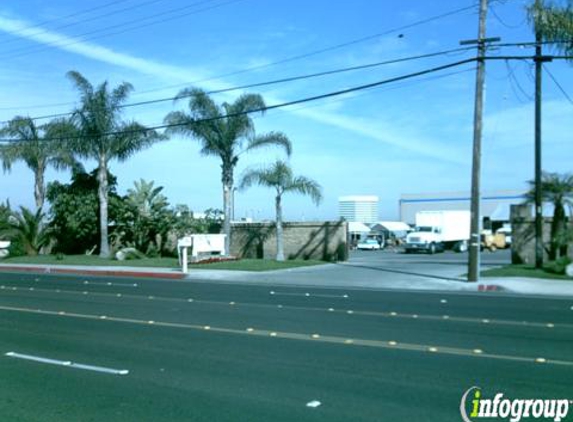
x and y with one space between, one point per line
280 246
227 189
103 204
39 189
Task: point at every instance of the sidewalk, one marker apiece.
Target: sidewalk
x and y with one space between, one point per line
328 275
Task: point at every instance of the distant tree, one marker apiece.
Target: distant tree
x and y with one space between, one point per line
27 227
222 131
104 136
556 189
553 23
280 177
39 147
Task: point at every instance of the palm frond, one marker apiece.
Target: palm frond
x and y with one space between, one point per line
270 139
307 187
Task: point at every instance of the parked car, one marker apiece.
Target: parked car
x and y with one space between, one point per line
368 244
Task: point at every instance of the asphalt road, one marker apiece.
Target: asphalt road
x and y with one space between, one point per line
187 351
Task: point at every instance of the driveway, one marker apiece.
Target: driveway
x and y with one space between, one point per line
375 269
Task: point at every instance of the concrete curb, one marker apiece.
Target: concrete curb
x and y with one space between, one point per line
94 272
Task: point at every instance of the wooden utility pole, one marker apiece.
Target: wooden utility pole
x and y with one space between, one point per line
539 60
474 247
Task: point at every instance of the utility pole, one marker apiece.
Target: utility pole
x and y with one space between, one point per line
474 247
539 60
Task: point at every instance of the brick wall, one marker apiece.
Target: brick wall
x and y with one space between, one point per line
325 241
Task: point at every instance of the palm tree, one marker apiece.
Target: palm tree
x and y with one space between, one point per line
30 147
279 176
553 24
28 228
558 190
146 197
104 136
222 131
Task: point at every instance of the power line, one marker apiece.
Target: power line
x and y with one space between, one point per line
282 80
72 15
289 59
327 49
558 84
277 106
84 37
81 21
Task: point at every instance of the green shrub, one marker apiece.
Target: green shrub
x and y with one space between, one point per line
558 266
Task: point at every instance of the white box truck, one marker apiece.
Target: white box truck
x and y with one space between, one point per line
439 230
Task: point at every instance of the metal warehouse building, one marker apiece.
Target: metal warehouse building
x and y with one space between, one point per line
494 204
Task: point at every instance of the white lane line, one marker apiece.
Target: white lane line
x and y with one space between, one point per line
313 404
67 363
94 283
273 293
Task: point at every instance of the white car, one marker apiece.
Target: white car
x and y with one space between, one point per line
368 244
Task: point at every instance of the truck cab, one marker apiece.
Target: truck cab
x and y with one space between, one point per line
424 238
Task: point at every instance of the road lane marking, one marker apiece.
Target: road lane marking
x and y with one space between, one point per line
449 318
109 283
67 363
313 404
307 294
380 344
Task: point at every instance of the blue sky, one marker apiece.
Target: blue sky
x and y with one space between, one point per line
406 137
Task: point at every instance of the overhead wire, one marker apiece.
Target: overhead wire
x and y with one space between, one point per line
554 79
282 80
326 49
84 37
72 15
82 21
277 106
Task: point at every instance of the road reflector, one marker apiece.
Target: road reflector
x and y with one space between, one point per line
485 321
315 336
250 330
349 312
392 343
313 404
349 341
330 309
414 316
273 334
432 349
393 313
446 317
307 294
151 322
541 360
189 300
206 327
231 303
550 325
443 301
